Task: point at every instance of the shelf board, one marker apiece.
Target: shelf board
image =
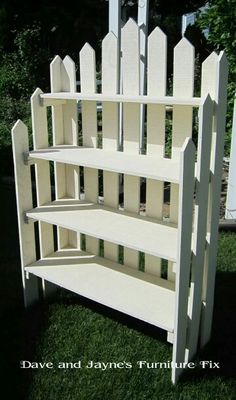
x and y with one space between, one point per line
132 292
145 166
127 229
121 98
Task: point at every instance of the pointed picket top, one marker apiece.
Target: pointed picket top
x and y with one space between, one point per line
55 74
130 57
209 74
35 96
68 74
110 64
184 54
87 69
157 63
19 126
130 27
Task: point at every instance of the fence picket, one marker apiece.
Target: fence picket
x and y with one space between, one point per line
42 177
24 202
186 190
200 223
214 81
110 127
65 131
131 122
183 81
89 128
156 114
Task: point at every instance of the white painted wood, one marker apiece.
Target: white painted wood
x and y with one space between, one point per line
156 114
24 202
230 208
124 228
143 8
110 128
216 85
186 190
65 131
147 166
200 223
183 81
109 283
89 129
126 98
131 122
42 177
115 18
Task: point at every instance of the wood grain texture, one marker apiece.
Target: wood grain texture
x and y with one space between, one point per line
24 202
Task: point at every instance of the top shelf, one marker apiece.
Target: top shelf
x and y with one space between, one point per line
121 98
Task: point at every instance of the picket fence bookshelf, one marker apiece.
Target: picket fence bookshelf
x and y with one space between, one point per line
182 303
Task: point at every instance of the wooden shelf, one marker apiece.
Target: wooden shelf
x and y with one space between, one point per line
127 229
145 166
132 292
121 98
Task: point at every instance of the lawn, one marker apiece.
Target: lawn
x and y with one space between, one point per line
70 328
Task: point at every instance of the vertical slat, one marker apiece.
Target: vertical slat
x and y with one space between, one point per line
24 203
183 81
156 84
42 177
200 223
89 128
110 127
230 209
65 131
143 9
214 81
131 123
186 189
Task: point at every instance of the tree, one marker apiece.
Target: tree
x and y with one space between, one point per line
220 18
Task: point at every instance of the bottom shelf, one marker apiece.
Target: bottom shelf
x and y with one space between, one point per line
140 295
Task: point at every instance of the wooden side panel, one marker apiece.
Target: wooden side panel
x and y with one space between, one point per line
200 223
89 129
183 81
156 86
65 131
186 190
230 212
131 122
24 203
214 81
42 176
110 127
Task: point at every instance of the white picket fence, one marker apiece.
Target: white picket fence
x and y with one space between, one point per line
182 304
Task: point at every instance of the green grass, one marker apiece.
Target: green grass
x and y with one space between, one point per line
70 328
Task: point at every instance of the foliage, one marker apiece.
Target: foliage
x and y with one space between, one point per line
220 18
20 71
